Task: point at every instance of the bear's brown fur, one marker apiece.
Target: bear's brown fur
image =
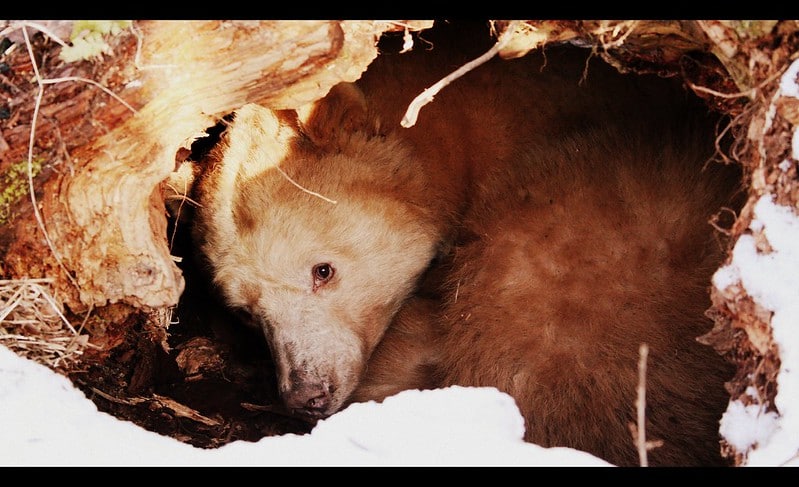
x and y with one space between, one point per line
565 209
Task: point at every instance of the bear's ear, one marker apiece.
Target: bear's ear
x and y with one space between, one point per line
329 121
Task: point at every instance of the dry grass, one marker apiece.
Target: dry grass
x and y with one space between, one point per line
33 325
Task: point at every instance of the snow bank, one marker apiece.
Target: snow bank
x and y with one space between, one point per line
47 421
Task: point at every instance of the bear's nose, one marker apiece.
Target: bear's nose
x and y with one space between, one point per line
308 398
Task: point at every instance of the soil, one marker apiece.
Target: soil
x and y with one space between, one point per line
211 384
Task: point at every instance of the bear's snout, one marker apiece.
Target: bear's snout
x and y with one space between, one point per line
308 398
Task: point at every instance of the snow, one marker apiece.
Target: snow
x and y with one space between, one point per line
788 81
44 415
790 87
47 421
772 280
745 426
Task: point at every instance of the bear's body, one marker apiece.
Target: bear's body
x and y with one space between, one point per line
567 222
570 272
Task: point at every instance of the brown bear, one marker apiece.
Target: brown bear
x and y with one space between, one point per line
544 218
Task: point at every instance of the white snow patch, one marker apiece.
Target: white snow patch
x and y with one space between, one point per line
47 421
772 280
790 87
744 426
788 81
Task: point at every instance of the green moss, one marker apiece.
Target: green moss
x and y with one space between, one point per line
88 38
14 184
752 29
112 27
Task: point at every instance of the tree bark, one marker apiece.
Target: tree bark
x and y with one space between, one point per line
105 218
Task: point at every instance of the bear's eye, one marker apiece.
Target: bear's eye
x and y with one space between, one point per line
321 274
243 314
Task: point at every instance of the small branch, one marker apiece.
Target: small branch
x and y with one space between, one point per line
51 81
639 430
614 31
640 404
128 402
741 94
184 411
180 209
751 93
409 119
44 30
179 409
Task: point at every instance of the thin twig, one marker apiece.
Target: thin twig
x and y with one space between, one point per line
638 429
614 32
86 318
714 220
14 26
54 306
313 193
44 30
11 304
177 217
33 280
182 197
640 404
31 188
278 409
412 113
750 93
108 397
51 81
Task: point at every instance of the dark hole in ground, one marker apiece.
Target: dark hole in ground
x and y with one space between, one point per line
215 385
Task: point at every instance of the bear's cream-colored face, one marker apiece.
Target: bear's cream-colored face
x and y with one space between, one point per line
319 250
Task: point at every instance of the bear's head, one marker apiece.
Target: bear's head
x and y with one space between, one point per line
317 226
